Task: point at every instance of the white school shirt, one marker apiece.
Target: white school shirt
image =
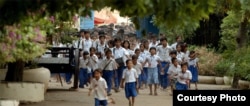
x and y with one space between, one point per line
173 70
119 52
180 56
153 60
99 87
95 42
100 47
111 64
138 68
163 52
99 63
83 63
186 56
144 55
78 43
173 46
153 44
192 62
87 44
130 53
92 64
186 76
129 75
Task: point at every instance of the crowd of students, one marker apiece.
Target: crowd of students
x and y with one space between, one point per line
107 64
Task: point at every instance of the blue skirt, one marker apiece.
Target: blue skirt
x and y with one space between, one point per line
194 72
130 89
180 86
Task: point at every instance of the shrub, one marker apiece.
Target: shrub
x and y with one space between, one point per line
207 60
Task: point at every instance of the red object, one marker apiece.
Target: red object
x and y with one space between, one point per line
98 21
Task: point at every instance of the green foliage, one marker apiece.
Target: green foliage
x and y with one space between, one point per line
207 60
222 67
229 30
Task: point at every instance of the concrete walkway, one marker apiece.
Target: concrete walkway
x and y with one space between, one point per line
61 96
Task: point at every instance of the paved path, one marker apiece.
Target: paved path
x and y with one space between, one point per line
60 96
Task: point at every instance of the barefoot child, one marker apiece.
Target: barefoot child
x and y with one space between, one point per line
153 60
173 72
138 67
109 66
193 67
99 86
83 74
130 78
183 77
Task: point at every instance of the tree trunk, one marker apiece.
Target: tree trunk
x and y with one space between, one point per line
15 71
241 42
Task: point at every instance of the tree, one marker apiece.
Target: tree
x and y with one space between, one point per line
238 15
25 13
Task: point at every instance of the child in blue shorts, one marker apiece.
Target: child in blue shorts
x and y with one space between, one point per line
130 77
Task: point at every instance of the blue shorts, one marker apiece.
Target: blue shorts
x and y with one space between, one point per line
100 102
180 86
153 77
130 89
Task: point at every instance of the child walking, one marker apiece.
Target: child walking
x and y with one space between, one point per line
93 60
83 74
153 60
183 77
172 73
193 67
99 86
109 66
138 68
130 77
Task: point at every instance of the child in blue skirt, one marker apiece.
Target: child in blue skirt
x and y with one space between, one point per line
193 67
130 77
183 78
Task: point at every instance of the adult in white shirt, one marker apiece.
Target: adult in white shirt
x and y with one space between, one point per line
183 78
178 40
119 53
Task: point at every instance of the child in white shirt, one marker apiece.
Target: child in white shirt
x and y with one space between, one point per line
130 77
99 86
183 78
173 72
138 67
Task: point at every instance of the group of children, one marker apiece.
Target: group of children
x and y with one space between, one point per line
153 63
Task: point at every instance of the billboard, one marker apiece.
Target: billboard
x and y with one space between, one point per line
87 22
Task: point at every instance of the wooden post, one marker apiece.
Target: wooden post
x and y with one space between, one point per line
77 54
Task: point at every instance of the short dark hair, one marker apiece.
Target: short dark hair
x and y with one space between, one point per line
85 53
152 48
137 50
102 36
128 61
92 48
192 52
98 70
164 38
117 39
134 57
107 51
173 52
173 59
184 64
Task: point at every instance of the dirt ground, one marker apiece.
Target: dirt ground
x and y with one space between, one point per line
58 95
